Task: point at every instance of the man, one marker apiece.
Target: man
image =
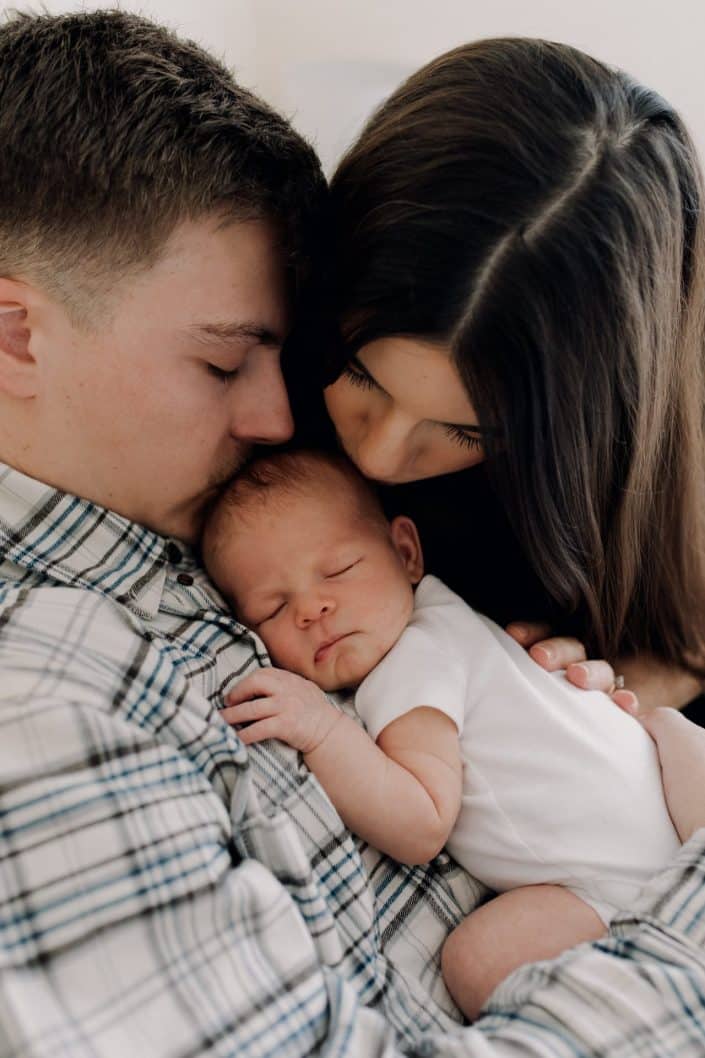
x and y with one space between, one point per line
163 891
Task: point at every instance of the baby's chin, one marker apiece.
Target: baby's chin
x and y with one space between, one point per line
348 668
348 664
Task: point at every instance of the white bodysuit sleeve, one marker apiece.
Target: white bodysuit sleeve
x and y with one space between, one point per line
419 670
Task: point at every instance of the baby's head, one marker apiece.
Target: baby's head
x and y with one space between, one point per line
300 547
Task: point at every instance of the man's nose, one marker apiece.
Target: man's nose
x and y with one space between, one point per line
261 412
312 607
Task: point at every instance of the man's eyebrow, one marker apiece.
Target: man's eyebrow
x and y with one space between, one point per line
218 333
481 431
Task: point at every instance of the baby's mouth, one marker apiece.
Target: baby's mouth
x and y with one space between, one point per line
324 649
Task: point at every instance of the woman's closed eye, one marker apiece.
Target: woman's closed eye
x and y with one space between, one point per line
462 437
359 377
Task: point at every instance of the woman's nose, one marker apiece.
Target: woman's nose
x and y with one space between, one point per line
385 448
312 608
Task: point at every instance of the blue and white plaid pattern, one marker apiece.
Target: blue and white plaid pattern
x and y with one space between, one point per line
165 892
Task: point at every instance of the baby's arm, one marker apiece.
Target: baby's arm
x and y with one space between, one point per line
402 794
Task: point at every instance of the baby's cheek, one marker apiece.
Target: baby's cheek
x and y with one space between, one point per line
395 616
270 641
283 652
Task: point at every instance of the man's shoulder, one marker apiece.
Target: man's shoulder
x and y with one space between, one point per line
81 642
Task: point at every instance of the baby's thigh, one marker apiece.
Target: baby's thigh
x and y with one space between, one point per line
525 925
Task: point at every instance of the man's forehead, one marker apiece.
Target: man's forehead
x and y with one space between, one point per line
224 283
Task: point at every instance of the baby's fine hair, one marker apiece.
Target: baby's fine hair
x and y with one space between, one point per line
277 476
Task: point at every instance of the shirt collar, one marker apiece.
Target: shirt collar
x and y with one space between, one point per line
80 544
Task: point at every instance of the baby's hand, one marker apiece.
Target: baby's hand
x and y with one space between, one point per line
279 704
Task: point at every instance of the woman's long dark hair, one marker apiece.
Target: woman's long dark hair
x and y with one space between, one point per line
542 215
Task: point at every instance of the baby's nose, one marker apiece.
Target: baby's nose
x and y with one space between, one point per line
311 610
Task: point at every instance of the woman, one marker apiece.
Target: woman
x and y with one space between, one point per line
519 297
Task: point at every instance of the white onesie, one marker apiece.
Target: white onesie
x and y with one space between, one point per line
559 785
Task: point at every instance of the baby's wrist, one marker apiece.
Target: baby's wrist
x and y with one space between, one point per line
331 719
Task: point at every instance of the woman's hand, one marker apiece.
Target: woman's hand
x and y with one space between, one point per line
562 652
681 748
655 682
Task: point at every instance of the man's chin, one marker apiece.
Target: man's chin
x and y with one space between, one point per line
200 507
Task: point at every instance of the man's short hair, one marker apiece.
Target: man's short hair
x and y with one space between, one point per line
112 131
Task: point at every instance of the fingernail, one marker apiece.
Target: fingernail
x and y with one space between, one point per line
585 671
519 631
628 701
544 654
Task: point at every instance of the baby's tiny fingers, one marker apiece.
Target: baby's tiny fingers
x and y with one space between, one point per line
256 685
245 712
260 731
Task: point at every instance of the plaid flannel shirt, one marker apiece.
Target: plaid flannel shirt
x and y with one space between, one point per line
166 892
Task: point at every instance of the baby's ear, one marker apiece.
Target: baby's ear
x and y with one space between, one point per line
405 538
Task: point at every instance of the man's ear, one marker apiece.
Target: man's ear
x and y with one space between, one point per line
18 368
405 538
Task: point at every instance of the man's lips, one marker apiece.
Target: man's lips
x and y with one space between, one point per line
324 649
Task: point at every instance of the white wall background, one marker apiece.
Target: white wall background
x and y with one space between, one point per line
326 63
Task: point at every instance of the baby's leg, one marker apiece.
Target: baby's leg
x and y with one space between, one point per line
525 925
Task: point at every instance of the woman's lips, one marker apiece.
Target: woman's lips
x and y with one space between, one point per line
325 648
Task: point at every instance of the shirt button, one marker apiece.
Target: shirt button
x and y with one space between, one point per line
173 553
185 579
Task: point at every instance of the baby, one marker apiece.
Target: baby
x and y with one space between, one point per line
548 794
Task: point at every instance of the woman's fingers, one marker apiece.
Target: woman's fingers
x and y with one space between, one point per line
591 675
558 653
627 701
527 633
563 652
600 676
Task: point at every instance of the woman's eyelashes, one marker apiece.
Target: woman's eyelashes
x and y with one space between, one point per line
359 378
458 434
455 433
